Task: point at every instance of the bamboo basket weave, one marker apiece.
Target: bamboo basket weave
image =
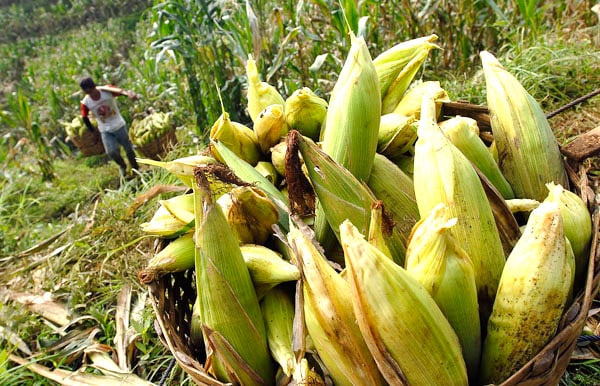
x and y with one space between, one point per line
160 146
90 143
173 296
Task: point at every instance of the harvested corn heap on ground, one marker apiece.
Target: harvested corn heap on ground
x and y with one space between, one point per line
379 246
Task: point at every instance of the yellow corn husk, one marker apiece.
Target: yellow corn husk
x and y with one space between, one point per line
528 153
517 205
248 174
250 214
164 224
330 320
306 112
397 134
435 259
260 94
181 207
267 170
183 167
238 138
444 175
177 256
397 66
267 268
462 135
228 311
396 189
407 334
410 104
577 223
278 312
278 157
270 127
341 195
531 297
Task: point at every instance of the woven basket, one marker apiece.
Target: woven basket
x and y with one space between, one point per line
160 146
173 296
90 143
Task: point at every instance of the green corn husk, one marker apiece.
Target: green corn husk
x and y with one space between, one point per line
444 175
410 104
528 153
435 259
237 137
260 94
397 66
330 320
352 123
250 214
577 226
267 268
278 312
462 135
407 334
228 312
164 224
306 112
396 189
183 167
533 291
270 127
177 256
397 134
341 195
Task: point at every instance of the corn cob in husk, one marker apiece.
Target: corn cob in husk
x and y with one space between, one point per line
270 127
464 134
444 175
341 195
352 123
278 312
183 167
397 66
407 334
260 94
250 214
444 269
267 268
397 134
410 104
528 153
577 224
228 313
330 320
305 111
396 189
532 294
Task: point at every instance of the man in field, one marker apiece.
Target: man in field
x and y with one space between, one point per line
102 102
